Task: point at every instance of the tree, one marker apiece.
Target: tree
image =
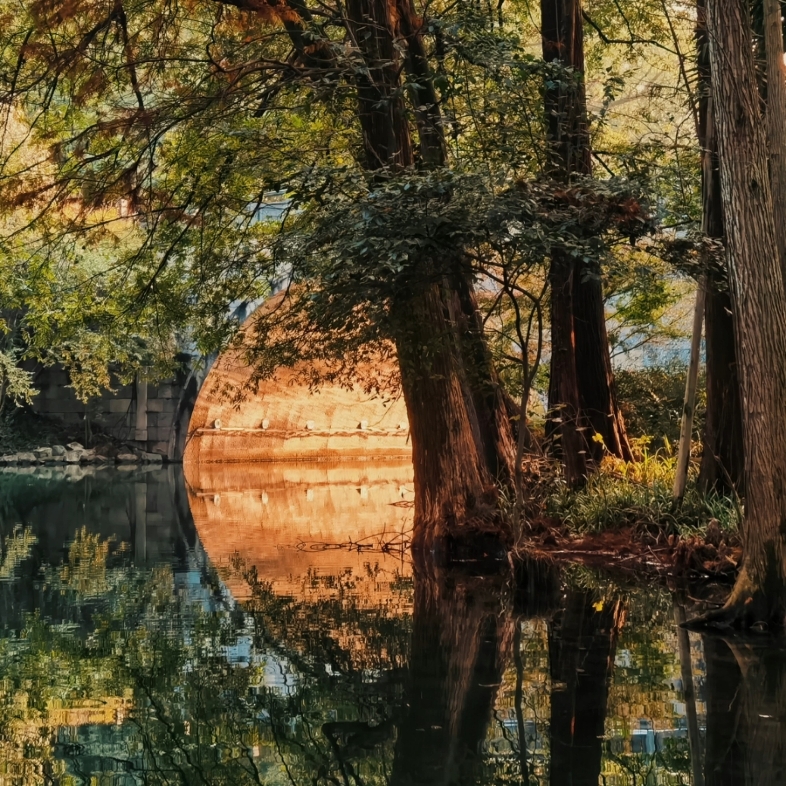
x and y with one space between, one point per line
581 389
198 115
722 457
759 301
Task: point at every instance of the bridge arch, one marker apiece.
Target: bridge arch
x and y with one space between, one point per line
284 420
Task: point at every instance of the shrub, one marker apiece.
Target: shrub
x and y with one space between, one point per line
651 401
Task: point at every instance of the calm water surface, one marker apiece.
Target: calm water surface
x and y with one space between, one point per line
158 631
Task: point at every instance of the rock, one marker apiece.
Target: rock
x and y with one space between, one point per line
43 453
151 458
75 446
58 450
9 459
86 456
26 458
126 458
73 456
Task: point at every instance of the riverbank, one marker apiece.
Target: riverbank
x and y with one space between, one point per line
30 439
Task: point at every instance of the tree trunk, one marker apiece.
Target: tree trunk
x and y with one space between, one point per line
455 491
582 350
491 421
597 393
776 120
757 291
488 399
565 428
460 636
722 458
582 645
462 442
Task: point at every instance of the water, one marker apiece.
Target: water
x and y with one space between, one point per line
155 630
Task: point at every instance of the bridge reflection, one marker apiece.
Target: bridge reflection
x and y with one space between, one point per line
301 525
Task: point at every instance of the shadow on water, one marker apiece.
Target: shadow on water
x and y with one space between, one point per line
155 633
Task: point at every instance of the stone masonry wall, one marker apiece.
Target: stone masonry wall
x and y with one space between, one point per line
146 415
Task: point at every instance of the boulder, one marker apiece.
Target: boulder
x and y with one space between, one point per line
10 458
126 458
43 453
26 458
75 446
151 458
73 456
58 450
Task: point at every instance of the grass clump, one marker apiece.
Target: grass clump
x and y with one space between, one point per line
639 495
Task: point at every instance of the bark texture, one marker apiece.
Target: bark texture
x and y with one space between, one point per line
462 442
582 399
565 426
722 456
759 302
776 119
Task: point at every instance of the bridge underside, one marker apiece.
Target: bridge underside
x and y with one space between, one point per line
285 421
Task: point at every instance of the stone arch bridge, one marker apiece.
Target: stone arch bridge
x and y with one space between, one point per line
187 417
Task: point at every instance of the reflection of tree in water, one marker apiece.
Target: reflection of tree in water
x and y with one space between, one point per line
582 644
445 680
746 712
461 639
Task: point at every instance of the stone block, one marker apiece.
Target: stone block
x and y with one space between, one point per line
158 434
165 391
66 406
156 405
170 404
119 405
161 447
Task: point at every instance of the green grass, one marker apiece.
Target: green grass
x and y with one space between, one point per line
639 494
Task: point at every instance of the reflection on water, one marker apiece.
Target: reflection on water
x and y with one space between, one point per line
154 631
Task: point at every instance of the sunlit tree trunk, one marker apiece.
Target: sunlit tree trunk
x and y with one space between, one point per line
580 363
757 291
582 645
722 458
462 443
